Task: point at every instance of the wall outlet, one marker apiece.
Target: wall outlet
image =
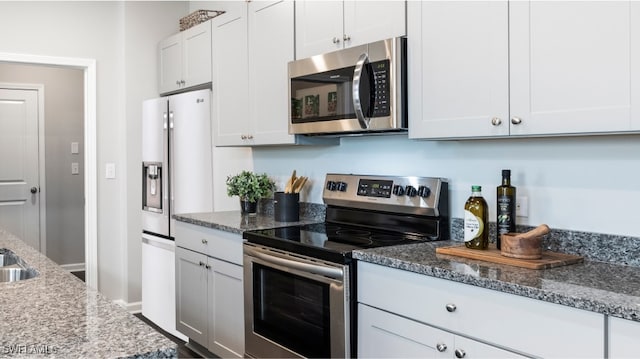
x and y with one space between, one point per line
522 206
110 171
75 168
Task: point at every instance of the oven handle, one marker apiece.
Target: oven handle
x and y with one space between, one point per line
274 258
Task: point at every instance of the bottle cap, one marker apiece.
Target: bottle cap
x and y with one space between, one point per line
506 173
476 188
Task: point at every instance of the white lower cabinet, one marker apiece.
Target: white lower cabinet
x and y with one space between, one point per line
385 335
209 290
484 320
624 338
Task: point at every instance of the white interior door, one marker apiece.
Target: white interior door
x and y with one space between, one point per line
19 176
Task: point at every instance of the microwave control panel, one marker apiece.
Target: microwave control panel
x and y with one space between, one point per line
380 86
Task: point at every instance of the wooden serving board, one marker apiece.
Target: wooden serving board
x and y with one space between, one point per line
492 254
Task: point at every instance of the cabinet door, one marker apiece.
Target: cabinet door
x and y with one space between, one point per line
170 66
191 295
369 21
570 66
196 47
623 338
230 82
318 27
226 322
468 348
459 51
385 335
271 42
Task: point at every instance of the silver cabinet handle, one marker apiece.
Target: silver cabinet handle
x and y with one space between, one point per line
182 82
496 121
516 120
249 137
460 353
201 263
178 82
204 241
336 40
441 347
451 307
346 37
207 266
243 137
34 190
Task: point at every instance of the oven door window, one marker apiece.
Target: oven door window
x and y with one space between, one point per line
292 311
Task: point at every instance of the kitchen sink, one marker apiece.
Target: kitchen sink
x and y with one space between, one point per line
13 268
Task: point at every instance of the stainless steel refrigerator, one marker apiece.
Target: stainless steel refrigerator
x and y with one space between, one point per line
177 177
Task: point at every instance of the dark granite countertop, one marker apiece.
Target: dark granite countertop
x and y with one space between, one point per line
597 286
55 315
236 222
601 287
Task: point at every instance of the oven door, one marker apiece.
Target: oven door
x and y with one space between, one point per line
294 307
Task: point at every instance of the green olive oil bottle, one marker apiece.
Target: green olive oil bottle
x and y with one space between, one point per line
476 213
506 207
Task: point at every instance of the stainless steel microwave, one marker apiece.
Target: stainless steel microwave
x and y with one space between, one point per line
358 90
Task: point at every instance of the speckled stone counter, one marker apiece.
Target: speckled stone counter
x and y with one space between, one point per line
55 315
595 286
236 222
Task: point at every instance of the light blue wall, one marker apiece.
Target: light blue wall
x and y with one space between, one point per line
579 183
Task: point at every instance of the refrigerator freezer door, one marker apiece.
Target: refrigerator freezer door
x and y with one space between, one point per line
191 152
155 158
158 283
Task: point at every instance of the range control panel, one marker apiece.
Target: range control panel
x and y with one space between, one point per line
420 195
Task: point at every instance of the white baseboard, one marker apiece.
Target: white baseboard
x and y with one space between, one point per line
133 308
73 267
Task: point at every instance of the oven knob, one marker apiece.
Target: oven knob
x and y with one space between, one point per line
331 186
341 186
398 190
411 191
424 191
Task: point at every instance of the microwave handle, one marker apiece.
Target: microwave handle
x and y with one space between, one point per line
357 76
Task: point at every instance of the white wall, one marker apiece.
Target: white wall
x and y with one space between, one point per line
126 73
577 183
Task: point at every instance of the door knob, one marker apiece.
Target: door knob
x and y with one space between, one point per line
34 189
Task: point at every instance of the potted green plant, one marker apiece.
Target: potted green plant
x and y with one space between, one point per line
250 187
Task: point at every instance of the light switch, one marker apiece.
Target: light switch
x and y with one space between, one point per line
75 168
74 148
110 171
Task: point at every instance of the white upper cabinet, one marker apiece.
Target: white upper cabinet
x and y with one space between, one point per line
489 69
325 26
459 54
185 59
271 42
570 67
230 85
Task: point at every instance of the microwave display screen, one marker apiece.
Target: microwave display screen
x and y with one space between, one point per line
328 95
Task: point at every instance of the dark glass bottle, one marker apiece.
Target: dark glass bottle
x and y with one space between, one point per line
476 213
506 207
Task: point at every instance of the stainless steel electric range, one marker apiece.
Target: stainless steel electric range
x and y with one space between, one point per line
300 280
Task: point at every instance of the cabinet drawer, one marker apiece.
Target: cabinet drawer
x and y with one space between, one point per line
510 321
212 242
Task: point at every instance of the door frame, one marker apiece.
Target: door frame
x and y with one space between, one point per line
42 204
90 145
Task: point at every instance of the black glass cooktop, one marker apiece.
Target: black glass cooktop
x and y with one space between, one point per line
328 241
